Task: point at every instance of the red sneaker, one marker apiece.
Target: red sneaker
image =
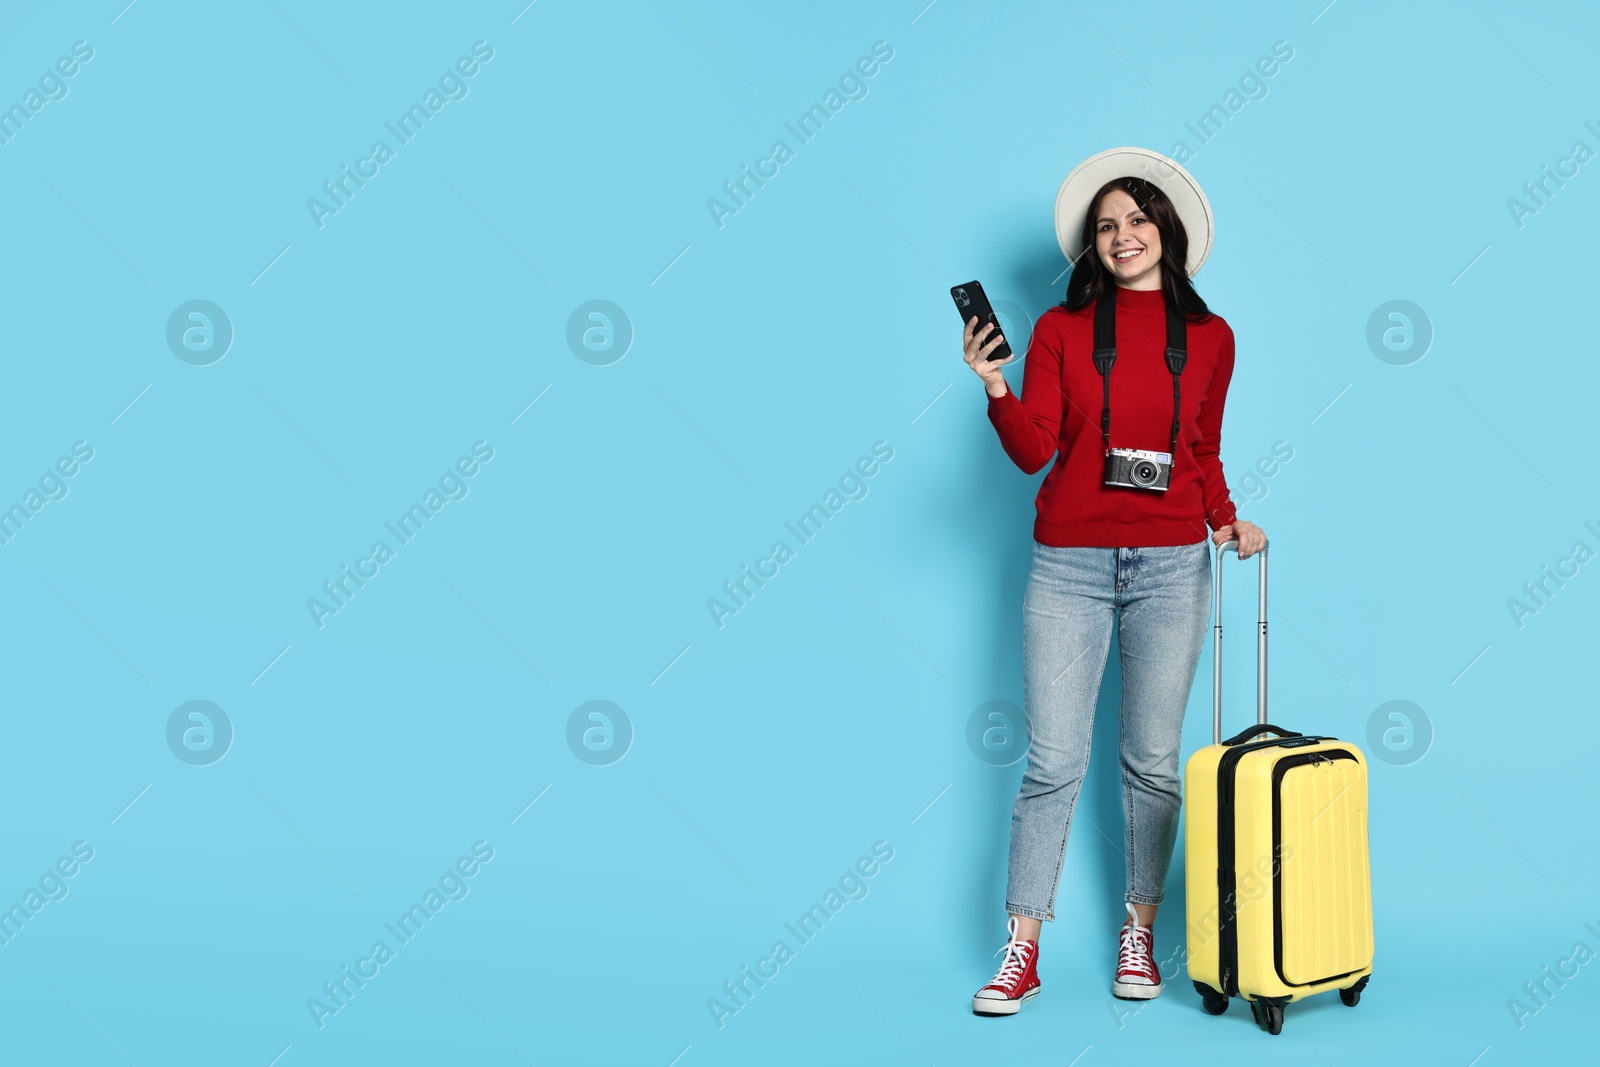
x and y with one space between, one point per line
1015 981
1137 978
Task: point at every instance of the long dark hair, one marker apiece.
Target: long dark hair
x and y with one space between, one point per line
1089 276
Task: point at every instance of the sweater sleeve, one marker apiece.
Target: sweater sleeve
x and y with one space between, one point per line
1030 425
1219 505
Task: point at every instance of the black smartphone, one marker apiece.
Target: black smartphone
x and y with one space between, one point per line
971 301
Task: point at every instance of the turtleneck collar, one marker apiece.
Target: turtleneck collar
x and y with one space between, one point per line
1141 300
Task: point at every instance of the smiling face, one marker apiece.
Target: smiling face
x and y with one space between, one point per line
1128 243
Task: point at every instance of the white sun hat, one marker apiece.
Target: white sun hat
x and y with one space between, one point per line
1072 202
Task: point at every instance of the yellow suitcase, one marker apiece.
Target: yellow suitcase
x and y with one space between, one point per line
1279 889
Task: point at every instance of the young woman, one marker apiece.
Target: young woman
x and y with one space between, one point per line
1109 555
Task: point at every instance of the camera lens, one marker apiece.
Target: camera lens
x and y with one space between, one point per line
1144 472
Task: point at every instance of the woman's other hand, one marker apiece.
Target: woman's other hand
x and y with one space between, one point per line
1248 534
976 353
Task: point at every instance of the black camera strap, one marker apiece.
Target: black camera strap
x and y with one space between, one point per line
1105 354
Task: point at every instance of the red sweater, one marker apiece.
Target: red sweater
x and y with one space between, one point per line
1058 415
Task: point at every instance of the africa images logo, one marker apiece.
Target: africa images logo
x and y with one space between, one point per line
452 886
805 528
852 85
452 485
452 85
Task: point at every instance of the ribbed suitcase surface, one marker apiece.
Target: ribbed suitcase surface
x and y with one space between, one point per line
1323 886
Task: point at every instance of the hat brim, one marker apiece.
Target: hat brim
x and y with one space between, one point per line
1188 199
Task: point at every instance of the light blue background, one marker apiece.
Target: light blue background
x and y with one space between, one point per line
768 355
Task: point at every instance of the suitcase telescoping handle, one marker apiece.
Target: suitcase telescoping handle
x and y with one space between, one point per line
1262 726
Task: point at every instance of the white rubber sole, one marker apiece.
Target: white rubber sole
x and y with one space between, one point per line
1135 990
989 1006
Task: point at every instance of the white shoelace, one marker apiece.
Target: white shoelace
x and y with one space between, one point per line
1134 953
1016 960
1012 966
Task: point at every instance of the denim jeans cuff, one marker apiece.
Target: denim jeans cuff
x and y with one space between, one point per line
1030 913
1140 898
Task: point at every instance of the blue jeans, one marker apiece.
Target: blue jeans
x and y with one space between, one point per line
1072 600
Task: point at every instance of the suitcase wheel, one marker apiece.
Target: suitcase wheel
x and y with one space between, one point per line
1352 996
1213 1002
1268 1016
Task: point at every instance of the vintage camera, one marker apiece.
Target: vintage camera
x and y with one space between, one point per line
1138 469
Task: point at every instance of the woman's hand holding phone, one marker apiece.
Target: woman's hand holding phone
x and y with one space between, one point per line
977 344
